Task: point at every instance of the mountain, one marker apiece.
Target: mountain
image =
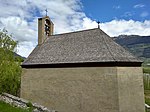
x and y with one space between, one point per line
138 45
18 57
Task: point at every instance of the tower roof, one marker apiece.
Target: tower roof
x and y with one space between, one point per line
87 46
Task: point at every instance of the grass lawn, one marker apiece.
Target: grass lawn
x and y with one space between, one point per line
147 96
146 70
4 107
147 90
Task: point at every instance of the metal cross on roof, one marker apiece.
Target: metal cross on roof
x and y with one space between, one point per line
98 24
46 11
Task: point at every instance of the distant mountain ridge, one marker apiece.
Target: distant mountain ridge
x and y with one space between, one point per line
138 45
17 55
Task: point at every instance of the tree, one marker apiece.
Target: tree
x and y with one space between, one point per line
10 70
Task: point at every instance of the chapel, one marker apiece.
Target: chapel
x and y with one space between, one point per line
82 71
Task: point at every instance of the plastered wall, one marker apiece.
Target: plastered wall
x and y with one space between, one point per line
130 89
91 89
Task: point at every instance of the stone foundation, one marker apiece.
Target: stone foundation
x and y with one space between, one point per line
22 103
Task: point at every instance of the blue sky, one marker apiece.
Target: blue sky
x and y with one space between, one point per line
107 10
117 17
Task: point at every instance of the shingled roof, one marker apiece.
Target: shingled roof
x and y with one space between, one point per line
85 46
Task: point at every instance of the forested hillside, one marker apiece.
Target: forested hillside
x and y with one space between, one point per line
138 45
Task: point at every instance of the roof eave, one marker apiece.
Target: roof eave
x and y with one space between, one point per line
84 64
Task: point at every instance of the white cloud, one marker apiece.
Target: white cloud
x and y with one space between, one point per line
19 28
118 27
127 14
117 7
144 14
138 6
89 24
19 17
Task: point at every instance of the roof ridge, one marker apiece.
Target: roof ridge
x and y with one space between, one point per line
108 48
74 32
126 50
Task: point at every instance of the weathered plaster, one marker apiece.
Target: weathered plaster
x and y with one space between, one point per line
86 89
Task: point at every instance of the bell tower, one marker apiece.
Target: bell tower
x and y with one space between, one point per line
45 29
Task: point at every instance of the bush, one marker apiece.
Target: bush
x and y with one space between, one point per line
10 70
